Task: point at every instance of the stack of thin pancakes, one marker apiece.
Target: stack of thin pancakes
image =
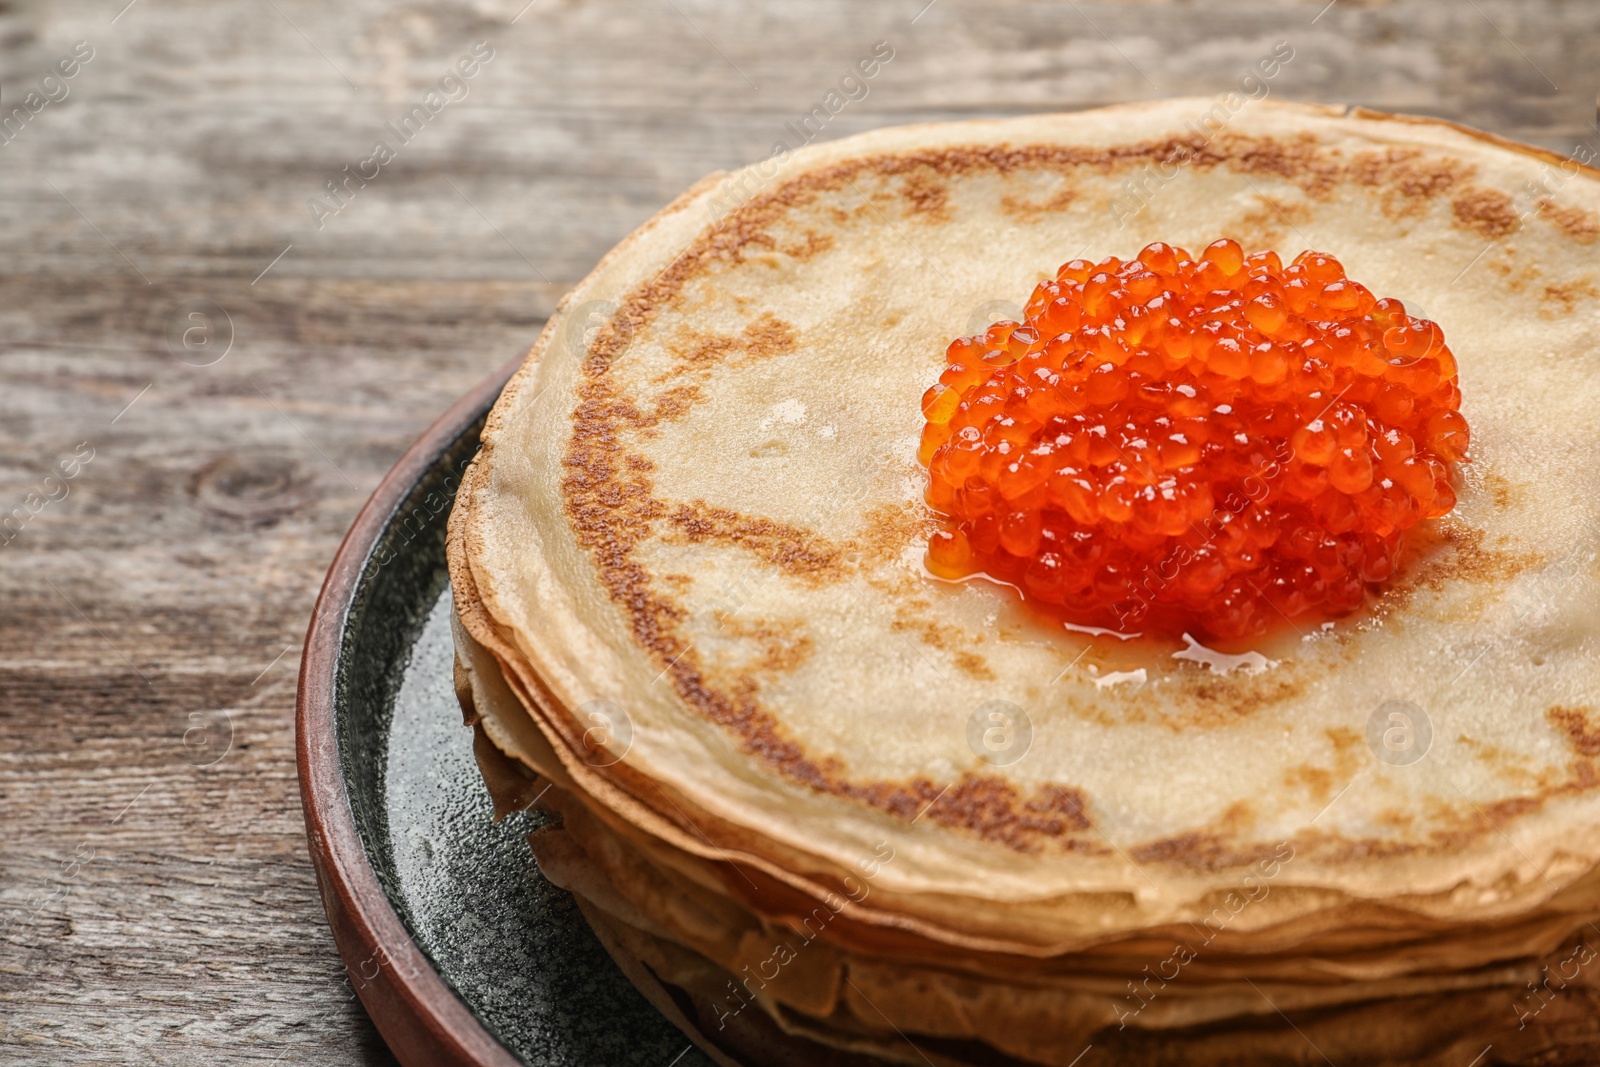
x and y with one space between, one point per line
823 808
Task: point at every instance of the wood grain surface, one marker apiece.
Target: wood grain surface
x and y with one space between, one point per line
156 902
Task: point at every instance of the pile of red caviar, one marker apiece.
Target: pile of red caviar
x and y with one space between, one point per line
1208 445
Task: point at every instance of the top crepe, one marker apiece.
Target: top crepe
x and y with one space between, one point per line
699 505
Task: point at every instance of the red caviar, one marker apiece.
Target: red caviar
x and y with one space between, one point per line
1206 445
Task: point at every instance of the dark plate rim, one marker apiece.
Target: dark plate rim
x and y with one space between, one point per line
421 1017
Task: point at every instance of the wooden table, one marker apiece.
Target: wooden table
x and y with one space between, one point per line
156 903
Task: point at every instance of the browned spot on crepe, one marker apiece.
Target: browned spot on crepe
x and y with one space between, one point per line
1580 225
1032 210
1581 733
1488 212
1570 294
697 354
926 195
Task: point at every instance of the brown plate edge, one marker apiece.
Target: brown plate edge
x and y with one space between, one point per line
421 1018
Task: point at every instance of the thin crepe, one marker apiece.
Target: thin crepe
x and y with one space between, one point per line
707 513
